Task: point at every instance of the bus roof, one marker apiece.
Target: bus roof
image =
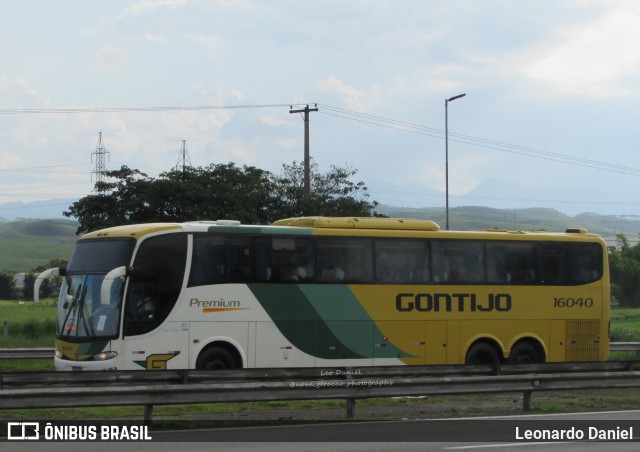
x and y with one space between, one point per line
360 223
324 225
132 230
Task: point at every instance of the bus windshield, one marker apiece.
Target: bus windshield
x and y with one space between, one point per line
82 313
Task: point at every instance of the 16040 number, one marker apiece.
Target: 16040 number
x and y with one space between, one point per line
572 302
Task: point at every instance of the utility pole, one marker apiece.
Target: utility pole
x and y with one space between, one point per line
307 172
100 152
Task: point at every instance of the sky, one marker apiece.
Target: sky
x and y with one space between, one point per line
550 117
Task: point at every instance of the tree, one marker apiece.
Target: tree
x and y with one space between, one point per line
7 286
222 191
211 193
331 193
624 265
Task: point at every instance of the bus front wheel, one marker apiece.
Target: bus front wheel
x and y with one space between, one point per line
216 358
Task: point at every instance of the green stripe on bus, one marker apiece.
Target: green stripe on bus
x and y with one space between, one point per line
347 320
325 321
299 322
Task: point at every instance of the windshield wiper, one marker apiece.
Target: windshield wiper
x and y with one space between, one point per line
86 322
77 305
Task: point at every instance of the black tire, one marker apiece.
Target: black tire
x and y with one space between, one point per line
216 358
525 353
482 353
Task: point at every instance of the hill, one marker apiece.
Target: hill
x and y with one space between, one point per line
27 244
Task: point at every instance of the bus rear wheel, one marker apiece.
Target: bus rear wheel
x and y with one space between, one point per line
482 353
525 353
216 358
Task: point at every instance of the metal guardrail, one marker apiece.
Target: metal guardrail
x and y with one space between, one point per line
26 353
624 347
20 390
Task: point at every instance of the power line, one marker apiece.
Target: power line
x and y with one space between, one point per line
476 141
22 111
31 168
359 117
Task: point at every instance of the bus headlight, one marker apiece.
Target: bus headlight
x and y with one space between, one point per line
103 356
59 354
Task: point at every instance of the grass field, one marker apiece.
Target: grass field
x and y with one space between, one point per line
625 325
26 324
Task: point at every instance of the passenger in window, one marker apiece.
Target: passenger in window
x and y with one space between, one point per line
586 269
383 273
553 271
455 275
296 274
519 273
332 273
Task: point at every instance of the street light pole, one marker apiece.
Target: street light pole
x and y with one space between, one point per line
446 153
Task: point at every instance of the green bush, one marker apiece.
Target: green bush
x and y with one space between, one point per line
32 328
624 335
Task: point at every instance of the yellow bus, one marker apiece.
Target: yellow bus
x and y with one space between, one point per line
325 291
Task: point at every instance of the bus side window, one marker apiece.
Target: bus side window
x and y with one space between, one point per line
586 262
238 260
555 264
439 262
348 259
497 258
219 259
262 259
402 260
511 262
458 261
284 259
331 260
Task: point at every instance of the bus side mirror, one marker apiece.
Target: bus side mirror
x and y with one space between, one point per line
58 271
107 283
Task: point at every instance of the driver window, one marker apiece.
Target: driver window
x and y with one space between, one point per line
155 283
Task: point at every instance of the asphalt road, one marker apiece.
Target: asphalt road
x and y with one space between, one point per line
490 433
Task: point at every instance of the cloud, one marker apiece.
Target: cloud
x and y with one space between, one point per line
272 120
19 89
596 58
152 5
353 98
288 143
150 37
110 58
214 45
